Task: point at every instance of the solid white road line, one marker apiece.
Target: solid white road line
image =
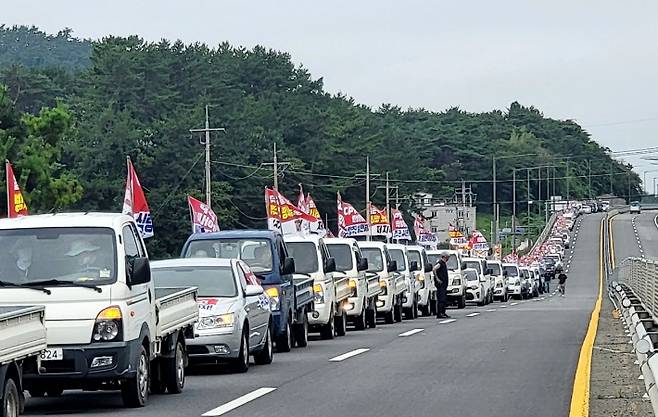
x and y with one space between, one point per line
232 405
503 306
410 332
447 321
348 355
491 310
472 314
514 304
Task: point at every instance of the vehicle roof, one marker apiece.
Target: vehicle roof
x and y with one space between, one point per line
396 246
371 244
302 238
343 240
168 263
494 261
111 220
472 258
439 251
416 247
510 264
236 234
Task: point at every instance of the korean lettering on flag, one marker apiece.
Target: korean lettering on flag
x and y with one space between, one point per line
379 224
204 220
17 206
350 221
282 215
317 227
423 235
400 230
135 205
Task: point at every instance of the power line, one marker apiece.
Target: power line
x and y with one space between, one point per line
170 194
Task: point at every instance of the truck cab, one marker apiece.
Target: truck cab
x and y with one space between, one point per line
266 254
408 269
313 260
392 283
427 292
500 285
364 286
480 265
456 281
107 324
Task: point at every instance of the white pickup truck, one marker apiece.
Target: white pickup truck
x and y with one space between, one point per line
108 327
22 339
393 284
408 269
361 307
313 260
427 292
457 282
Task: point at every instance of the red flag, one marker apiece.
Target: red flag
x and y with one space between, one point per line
16 206
399 226
424 236
350 221
318 226
204 220
134 203
282 214
379 224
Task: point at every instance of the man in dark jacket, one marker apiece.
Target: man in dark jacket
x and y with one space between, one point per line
440 274
562 280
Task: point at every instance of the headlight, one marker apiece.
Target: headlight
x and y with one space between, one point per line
353 284
216 322
473 287
273 293
319 293
457 281
108 325
384 287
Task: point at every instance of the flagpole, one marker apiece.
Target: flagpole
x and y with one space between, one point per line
130 184
189 207
7 174
388 210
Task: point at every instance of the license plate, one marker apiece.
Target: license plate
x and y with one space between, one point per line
52 355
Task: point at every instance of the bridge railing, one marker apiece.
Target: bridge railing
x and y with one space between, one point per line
641 275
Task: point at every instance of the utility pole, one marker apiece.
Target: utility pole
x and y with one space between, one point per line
388 210
206 142
494 228
275 166
589 178
514 210
539 201
567 179
528 175
610 178
368 196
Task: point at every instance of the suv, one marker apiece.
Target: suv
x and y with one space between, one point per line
500 286
488 282
635 207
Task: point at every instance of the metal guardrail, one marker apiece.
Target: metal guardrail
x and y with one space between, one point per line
641 275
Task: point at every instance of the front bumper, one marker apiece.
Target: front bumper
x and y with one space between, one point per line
356 303
76 370
385 303
222 345
323 312
455 291
424 296
514 290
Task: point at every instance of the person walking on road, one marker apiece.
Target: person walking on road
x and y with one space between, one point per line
440 274
547 282
562 279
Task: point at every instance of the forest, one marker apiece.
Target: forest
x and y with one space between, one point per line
71 110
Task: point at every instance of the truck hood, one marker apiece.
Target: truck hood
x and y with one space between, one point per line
87 302
214 306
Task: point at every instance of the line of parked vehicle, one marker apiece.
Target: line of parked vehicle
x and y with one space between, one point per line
117 321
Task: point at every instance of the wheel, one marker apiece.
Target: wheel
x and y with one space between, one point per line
360 321
284 342
461 303
398 313
432 304
174 370
241 364
300 332
371 318
327 331
341 324
11 401
414 310
389 318
408 313
425 310
265 355
135 390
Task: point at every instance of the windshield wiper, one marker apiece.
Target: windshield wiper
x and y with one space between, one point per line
14 285
303 273
64 282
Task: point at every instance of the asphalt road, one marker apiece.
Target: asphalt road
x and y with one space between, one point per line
635 235
513 361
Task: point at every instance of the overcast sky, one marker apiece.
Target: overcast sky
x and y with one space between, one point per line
595 62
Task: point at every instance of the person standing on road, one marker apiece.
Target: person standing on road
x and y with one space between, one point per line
440 274
562 279
547 282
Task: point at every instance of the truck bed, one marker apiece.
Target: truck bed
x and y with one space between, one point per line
303 291
176 309
22 332
374 288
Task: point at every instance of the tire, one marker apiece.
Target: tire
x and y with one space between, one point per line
328 330
11 400
285 341
241 364
266 354
414 310
432 304
341 324
174 370
461 303
371 318
300 332
389 318
408 313
398 313
134 391
360 321
425 310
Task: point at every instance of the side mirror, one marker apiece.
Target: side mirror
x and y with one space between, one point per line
428 267
363 264
413 266
253 290
288 266
331 265
138 271
392 266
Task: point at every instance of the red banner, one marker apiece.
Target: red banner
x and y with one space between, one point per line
399 226
424 236
282 215
204 220
134 203
379 224
16 206
350 221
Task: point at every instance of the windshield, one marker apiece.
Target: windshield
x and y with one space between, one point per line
212 281
256 253
305 255
453 262
81 255
474 265
375 260
495 268
471 275
414 255
511 270
343 255
398 256
525 273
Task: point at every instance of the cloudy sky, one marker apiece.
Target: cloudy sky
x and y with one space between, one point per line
595 62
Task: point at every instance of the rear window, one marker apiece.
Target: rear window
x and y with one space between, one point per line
342 253
213 281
